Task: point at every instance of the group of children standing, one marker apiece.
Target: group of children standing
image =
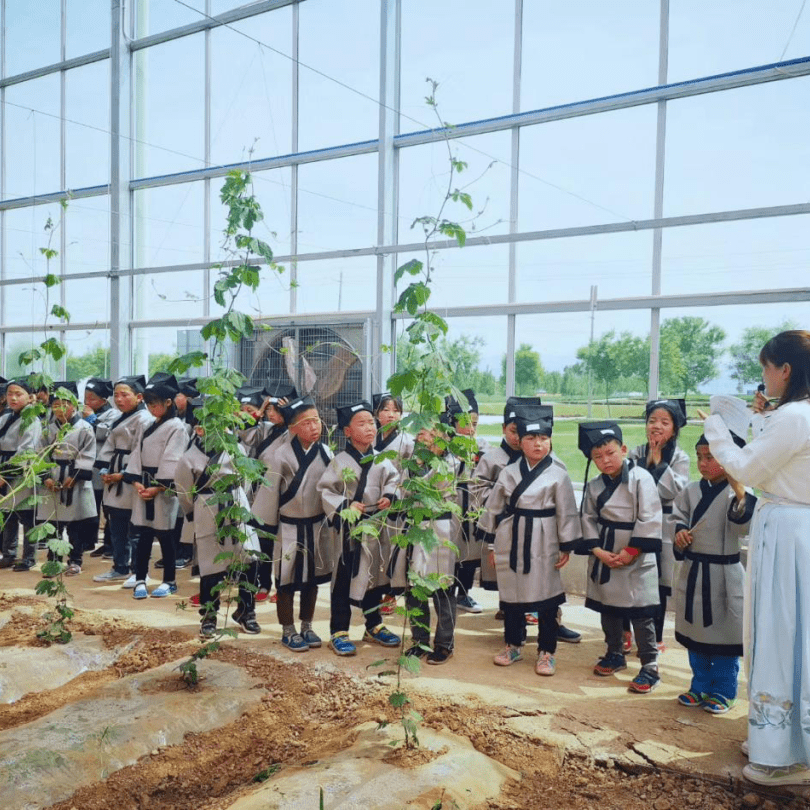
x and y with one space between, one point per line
155 477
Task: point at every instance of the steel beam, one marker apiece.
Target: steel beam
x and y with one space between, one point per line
56 67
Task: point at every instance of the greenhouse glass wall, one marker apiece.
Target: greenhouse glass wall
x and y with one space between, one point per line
629 163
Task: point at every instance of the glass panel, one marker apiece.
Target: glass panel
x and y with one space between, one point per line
169 295
251 89
339 39
87 25
26 303
169 225
734 256
588 170
87 110
170 106
33 34
337 204
563 269
272 190
721 148
32 137
710 38
468 47
153 349
87 228
88 299
337 285
19 342
572 53
154 16
88 354
26 233
424 177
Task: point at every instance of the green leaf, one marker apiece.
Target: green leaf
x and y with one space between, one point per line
56 349
49 253
398 699
414 267
462 197
51 280
411 663
60 312
191 360
453 230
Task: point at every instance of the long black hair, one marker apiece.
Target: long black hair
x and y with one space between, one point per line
792 347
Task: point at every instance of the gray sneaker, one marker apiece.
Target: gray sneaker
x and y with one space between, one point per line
110 576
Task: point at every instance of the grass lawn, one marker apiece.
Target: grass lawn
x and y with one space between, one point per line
564 442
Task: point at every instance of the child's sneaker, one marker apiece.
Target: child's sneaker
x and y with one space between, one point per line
531 618
311 638
295 642
247 621
468 604
508 656
610 665
568 635
382 635
110 576
418 650
546 664
140 591
772 775
262 595
164 589
133 581
341 644
440 655
717 704
208 627
691 699
389 605
646 680
74 569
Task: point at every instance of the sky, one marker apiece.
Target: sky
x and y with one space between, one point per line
738 149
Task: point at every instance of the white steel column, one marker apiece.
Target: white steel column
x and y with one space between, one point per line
2 184
120 198
387 192
294 168
658 206
62 369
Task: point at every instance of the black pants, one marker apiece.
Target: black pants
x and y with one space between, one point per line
92 537
24 518
306 609
143 552
341 614
514 627
266 544
123 540
208 582
445 604
77 531
465 576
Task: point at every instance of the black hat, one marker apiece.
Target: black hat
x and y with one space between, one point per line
295 407
137 383
379 401
188 387
162 384
191 407
676 407
22 382
275 391
453 407
595 434
738 440
100 387
3 386
516 406
542 422
250 395
68 385
347 412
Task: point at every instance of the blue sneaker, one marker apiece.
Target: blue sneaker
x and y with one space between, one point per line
295 642
341 644
164 589
140 591
382 635
311 638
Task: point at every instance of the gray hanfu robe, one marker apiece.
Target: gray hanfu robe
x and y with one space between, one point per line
670 476
15 440
366 557
397 441
273 437
443 557
200 500
114 454
531 517
153 462
105 417
72 456
289 506
710 584
619 512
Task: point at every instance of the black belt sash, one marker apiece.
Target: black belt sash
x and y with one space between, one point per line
529 515
607 541
305 544
352 552
117 466
5 456
66 470
702 563
148 480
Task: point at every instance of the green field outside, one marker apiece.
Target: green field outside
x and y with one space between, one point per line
564 442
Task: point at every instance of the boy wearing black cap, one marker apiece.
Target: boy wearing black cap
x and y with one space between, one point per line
711 516
69 501
289 506
111 463
14 440
621 530
99 414
354 481
252 405
531 524
150 469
